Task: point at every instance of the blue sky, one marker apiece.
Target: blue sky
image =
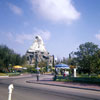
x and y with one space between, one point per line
63 24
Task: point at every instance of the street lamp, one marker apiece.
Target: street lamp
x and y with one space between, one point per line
55 76
36 60
36 66
47 59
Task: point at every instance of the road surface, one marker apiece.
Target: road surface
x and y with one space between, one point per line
28 91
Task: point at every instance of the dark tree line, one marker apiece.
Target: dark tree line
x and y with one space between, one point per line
9 58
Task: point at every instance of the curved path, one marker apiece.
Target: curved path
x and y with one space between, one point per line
31 91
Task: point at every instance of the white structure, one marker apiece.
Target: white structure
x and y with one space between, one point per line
66 73
38 52
74 72
37 45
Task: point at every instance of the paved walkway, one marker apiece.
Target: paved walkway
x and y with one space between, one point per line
49 81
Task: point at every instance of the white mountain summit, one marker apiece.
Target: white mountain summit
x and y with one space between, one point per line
37 52
37 45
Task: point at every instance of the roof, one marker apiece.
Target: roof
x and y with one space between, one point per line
17 67
64 66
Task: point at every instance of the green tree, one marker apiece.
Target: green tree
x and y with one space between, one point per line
5 57
71 60
42 64
84 56
95 63
8 57
23 60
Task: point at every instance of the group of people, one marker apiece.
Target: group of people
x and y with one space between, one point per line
63 72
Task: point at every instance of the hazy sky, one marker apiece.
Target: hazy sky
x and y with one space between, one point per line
63 24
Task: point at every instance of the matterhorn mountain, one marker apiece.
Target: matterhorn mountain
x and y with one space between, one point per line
38 52
37 45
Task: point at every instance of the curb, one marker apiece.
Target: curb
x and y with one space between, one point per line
3 76
75 87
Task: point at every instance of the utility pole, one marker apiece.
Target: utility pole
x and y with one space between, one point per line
36 60
36 66
53 61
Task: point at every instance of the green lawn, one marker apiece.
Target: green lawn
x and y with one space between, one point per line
13 74
10 74
3 74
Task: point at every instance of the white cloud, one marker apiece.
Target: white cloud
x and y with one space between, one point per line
56 10
97 36
21 38
15 9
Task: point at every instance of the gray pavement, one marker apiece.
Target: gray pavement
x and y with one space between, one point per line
27 88
23 93
47 80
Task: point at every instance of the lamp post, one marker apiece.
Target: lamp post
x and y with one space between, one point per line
47 61
53 64
36 60
55 77
36 66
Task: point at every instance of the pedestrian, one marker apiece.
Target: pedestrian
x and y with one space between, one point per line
64 73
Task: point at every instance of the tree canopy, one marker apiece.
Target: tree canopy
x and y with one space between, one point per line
9 58
87 58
